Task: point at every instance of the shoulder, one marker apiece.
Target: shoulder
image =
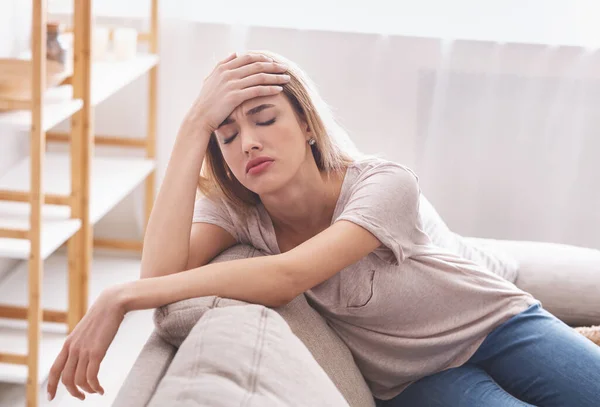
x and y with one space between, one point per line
212 206
386 173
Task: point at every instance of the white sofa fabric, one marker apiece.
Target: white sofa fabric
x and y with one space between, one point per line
244 356
565 278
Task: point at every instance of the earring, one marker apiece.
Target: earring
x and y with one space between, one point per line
312 141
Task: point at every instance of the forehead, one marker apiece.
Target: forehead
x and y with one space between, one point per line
277 100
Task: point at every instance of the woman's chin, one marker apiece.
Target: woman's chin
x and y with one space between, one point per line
264 186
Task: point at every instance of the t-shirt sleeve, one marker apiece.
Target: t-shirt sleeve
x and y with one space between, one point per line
208 211
385 201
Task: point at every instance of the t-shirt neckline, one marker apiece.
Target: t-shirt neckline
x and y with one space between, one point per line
271 229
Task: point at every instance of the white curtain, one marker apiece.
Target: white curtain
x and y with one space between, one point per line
508 140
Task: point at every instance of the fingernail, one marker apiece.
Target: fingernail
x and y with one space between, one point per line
49 396
284 66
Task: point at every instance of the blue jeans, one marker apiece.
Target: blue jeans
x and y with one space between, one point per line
531 359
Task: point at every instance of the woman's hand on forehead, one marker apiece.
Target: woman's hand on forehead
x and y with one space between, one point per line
233 81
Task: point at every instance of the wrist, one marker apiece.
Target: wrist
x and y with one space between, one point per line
195 127
123 295
191 143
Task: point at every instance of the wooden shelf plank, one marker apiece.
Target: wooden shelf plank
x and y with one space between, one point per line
112 180
108 77
57 228
58 107
106 271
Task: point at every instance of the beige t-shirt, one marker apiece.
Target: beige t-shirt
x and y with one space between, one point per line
408 309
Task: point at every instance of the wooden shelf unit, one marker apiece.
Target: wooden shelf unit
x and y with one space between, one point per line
48 199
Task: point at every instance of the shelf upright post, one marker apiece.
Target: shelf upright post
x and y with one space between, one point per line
82 149
37 148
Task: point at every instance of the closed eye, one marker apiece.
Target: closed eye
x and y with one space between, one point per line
268 123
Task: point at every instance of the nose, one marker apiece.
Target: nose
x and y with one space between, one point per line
250 141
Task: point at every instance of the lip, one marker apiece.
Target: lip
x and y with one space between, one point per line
256 161
257 169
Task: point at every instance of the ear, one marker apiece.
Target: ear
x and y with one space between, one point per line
305 125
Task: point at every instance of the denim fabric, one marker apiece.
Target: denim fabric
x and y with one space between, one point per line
531 359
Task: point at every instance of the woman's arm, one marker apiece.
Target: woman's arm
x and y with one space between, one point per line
259 280
268 280
167 236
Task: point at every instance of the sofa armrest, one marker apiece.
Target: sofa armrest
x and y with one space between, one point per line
244 356
565 278
146 373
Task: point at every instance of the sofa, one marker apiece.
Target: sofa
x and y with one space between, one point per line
214 351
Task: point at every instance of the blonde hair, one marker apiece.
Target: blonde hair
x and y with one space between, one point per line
333 150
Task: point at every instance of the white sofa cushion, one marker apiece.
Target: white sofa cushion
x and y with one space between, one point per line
492 258
244 356
565 278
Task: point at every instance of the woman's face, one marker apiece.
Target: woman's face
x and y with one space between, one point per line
264 127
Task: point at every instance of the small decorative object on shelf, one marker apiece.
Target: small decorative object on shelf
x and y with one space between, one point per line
16 73
125 43
100 41
56 49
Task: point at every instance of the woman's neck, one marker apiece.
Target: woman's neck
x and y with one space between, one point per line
306 206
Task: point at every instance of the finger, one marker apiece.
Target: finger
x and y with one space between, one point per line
56 370
256 91
92 375
229 58
68 376
262 79
245 60
218 64
258 67
81 373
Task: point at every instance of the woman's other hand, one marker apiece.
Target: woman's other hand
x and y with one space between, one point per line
233 81
85 347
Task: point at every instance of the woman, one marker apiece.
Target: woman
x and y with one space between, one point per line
425 327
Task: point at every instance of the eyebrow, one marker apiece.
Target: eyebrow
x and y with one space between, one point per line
254 110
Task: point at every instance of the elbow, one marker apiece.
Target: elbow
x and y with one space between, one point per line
287 287
146 271
281 301
145 274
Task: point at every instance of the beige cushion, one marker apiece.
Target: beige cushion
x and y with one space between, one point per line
565 278
244 356
147 372
492 258
175 321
